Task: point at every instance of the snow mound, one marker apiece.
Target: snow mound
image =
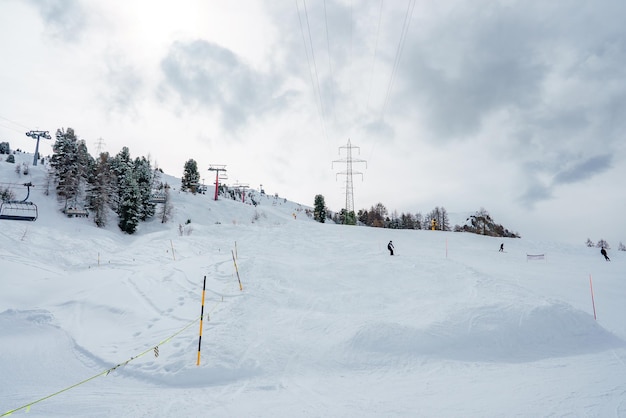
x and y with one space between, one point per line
493 333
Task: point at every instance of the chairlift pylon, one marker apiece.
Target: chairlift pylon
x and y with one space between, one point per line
19 210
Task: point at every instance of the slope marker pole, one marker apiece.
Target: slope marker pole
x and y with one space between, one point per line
237 270
201 316
593 303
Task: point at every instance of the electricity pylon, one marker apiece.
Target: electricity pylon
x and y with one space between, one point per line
99 145
349 173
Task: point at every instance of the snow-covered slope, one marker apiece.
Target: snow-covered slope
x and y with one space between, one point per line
327 323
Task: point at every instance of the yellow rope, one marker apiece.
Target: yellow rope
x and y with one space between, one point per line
106 372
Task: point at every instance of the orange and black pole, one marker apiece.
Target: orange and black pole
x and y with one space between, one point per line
201 317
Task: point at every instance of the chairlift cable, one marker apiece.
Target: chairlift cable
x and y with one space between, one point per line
12 121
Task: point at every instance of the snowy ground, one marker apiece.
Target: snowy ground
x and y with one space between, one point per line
327 324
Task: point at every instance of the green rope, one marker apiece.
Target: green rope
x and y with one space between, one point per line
106 372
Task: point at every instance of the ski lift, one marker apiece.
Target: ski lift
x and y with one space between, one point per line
157 197
19 210
72 212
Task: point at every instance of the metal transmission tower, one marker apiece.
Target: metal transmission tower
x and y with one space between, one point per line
349 173
217 168
37 135
99 143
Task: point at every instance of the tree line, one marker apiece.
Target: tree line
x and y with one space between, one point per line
602 243
437 219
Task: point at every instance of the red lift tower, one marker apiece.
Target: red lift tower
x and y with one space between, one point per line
217 168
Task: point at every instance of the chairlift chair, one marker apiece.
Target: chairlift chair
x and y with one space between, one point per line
157 198
19 210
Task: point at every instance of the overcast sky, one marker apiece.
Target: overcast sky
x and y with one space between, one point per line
515 106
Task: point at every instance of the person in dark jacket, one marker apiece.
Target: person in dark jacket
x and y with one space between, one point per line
603 252
390 247
502 247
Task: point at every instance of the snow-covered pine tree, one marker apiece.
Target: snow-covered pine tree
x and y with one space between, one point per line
191 176
319 209
129 204
394 221
100 194
407 221
71 164
121 168
64 163
419 220
143 176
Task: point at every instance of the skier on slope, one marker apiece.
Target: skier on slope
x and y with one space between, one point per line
390 247
603 252
502 247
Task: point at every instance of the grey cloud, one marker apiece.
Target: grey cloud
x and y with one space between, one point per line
123 84
584 169
470 65
64 19
576 170
203 73
534 193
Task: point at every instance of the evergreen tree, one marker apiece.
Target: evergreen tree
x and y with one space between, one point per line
394 221
129 205
407 221
71 164
191 176
121 168
589 243
5 148
63 162
143 175
100 192
419 221
362 216
319 209
345 218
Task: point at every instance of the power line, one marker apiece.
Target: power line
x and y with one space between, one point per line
380 15
394 71
315 90
317 79
330 67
